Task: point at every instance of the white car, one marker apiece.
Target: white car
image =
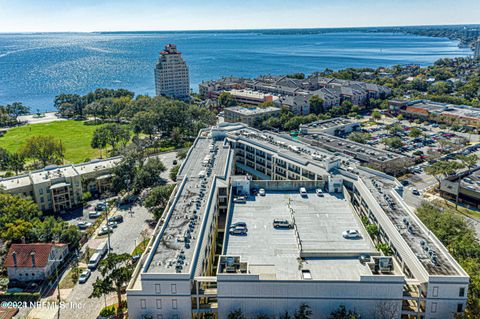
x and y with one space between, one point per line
112 224
303 192
83 224
351 233
104 231
84 276
240 199
319 192
261 192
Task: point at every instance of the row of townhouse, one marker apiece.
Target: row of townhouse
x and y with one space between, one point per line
295 94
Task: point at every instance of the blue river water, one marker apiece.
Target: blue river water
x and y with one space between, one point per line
34 68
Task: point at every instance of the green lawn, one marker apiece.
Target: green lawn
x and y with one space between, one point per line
74 135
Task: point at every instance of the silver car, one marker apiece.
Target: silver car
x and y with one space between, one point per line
84 276
238 231
282 223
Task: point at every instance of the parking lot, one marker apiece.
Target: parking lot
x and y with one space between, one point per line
426 143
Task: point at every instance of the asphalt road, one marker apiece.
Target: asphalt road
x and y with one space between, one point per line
123 240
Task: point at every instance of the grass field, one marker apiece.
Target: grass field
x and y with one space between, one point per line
74 135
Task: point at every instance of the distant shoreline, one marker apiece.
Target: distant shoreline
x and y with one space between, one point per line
322 29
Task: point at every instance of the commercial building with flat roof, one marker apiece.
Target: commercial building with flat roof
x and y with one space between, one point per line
382 160
438 112
337 126
463 187
194 266
251 116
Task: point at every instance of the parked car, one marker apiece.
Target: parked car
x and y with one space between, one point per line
112 224
117 219
238 224
100 207
94 261
136 258
84 276
261 192
282 223
94 214
319 192
238 231
303 191
83 224
105 230
351 234
415 192
175 162
240 199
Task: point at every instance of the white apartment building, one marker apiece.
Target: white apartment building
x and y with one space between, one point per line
60 188
193 266
171 74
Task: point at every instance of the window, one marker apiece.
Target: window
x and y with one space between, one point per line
174 288
435 292
143 304
462 292
158 289
174 303
434 307
159 316
159 303
460 307
175 317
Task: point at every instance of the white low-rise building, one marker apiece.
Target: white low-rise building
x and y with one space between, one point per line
60 188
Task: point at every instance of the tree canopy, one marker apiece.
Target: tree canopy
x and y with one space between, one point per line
46 149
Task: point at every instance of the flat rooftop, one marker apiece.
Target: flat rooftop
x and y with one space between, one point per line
359 151
97 165
16 182
193 203
50 174
320 222
443 108
382 189
313 158
325 124
249 111
251 94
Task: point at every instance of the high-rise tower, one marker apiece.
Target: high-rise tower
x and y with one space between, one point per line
171 74
476 53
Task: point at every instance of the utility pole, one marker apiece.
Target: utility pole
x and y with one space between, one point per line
58 292
107 209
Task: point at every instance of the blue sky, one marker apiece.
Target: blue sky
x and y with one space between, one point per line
110 15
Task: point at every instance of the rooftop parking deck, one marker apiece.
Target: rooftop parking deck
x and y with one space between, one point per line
317 237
